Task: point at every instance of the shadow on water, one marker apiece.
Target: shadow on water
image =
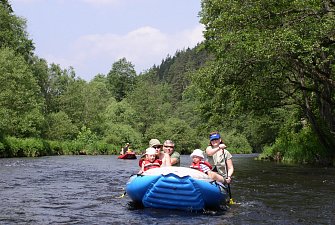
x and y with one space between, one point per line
88 190
132 206
166 216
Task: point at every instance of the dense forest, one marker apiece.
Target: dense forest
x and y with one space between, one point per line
263 77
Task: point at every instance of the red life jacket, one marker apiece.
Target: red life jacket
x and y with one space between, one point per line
197 165
149 165
140 162
142 159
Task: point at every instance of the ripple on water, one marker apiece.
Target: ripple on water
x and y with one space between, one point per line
88 190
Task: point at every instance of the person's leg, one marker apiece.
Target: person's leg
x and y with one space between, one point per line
216 176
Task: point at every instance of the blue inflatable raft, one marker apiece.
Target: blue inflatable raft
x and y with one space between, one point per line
176 188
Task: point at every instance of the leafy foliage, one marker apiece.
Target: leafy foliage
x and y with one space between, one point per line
151 104
20 101
13 32
274 54
264 77
178 131
60 127
121 78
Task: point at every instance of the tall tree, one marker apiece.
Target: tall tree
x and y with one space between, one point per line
176 70
20 99
73 102
97 99
41 73
152 104
120 124
60 127
13 32
55 84
6 5
121 78
276 53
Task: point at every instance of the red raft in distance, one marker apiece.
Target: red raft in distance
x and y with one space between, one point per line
127 155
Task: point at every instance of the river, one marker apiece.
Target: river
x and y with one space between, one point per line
88 190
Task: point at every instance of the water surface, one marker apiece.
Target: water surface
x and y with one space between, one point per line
88 190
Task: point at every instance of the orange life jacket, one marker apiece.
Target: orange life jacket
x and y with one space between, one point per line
149 165
197 165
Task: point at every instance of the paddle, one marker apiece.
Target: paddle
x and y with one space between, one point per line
231 201
124 194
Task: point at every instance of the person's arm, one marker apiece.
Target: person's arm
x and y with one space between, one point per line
230 170
142 168
174 161
212 151
167 161
175 158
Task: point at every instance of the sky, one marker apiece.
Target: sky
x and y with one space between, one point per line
90 35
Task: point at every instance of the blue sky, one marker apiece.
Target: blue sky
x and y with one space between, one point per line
90 35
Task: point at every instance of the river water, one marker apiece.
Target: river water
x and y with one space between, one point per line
88 190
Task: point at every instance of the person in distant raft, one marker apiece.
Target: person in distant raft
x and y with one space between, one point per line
220 157
125 149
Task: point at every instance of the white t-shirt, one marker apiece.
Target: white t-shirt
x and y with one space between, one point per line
218 160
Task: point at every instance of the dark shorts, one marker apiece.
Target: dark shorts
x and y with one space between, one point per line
215 169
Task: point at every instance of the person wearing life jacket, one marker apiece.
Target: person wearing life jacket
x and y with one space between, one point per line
150 160
201 166
164 157
199 163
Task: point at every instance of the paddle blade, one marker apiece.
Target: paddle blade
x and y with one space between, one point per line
231 201
124 194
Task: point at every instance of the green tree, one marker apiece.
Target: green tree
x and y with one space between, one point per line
120 112
97 98
119 124
53 81
178 131
120 134
20 100
41 73
121 78
72 101
60 127
13 32
275 54
6 5
152 104
176 70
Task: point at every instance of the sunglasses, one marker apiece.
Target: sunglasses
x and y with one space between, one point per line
166 146
156 147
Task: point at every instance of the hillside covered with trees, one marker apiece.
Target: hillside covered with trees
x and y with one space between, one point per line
263 77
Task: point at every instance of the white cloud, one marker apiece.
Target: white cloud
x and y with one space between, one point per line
144 47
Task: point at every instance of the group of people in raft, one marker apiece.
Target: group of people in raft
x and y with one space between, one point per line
219 166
